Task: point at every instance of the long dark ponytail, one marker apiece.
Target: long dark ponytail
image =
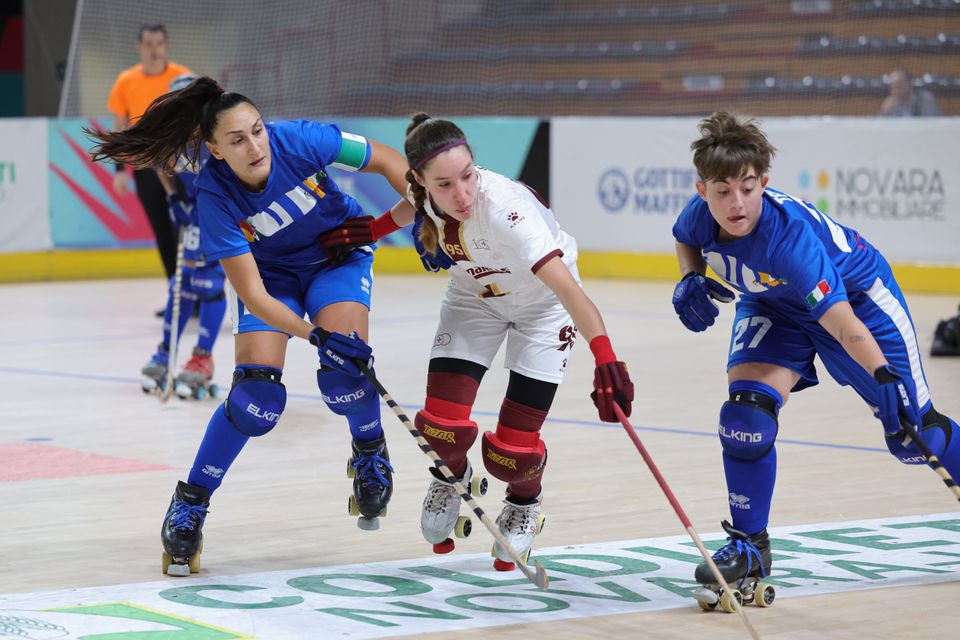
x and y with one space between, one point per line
427 138
173 126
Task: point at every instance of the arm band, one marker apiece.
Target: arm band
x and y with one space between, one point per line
602 350
383 226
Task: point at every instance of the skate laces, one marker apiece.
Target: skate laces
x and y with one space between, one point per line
520 518
370 466
184 516
438 497
737 546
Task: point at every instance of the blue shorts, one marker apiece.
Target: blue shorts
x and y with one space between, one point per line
307 290
790 337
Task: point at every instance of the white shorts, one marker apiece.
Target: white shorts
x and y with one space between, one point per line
539 334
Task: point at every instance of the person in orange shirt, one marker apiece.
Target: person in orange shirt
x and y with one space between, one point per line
133 91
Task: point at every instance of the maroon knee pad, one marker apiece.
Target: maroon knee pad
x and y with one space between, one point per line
515 454
451 439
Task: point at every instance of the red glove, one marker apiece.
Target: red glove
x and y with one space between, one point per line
356 232
611 382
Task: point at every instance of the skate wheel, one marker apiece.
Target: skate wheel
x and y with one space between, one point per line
201 393
765 595
503 565
727 600
182 391
351 472
195 563
383 514
706 598
463 527
479 485
352 507
165 561
214 391
444 547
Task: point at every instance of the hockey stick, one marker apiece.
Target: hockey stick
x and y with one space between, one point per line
931 457
539 576
682 515
166 392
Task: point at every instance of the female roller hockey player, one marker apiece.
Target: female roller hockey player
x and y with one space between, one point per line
263 199
513 275
808 286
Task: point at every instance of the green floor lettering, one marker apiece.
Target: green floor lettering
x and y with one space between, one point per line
191 596
468 578
465 601
415 611
846 536
319 584
622 594
627 566
879 570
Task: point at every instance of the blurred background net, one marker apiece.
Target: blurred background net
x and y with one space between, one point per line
533 57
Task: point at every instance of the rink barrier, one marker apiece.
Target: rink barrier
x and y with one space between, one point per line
659 267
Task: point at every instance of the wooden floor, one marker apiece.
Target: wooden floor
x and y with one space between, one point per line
70 355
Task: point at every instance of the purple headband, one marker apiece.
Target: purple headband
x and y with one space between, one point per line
446 147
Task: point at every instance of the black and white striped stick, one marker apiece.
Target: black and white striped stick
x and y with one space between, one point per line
539 575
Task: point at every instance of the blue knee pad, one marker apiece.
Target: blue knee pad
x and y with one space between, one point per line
207 282
256 399
937 431
352 397
748 420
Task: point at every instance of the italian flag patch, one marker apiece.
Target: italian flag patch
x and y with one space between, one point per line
818 293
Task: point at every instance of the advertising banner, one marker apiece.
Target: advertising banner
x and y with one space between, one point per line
619 183
24 221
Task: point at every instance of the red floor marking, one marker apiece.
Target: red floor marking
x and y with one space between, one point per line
34 461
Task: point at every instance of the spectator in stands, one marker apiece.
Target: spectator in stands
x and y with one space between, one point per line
905 101
133 91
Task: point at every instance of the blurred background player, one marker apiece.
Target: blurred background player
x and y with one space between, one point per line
263 199
201 284
513 276
132 92
946 337
808 286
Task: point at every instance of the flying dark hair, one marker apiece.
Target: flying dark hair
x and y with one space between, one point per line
173 126
426 139
729 146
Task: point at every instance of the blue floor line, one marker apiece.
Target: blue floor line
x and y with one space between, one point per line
586 423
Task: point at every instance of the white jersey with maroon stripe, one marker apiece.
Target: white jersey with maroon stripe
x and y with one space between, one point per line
509 235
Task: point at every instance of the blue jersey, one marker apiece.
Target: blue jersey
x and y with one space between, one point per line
281 224
796 258
183 210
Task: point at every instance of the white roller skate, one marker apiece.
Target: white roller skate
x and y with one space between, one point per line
194 380
155 371
519 522
441 509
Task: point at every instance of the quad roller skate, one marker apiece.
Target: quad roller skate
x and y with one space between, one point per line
372 482
194 380
441 509
744 561
181 533
155 371
519 522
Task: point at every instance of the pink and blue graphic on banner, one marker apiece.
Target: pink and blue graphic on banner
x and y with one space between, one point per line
85 212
